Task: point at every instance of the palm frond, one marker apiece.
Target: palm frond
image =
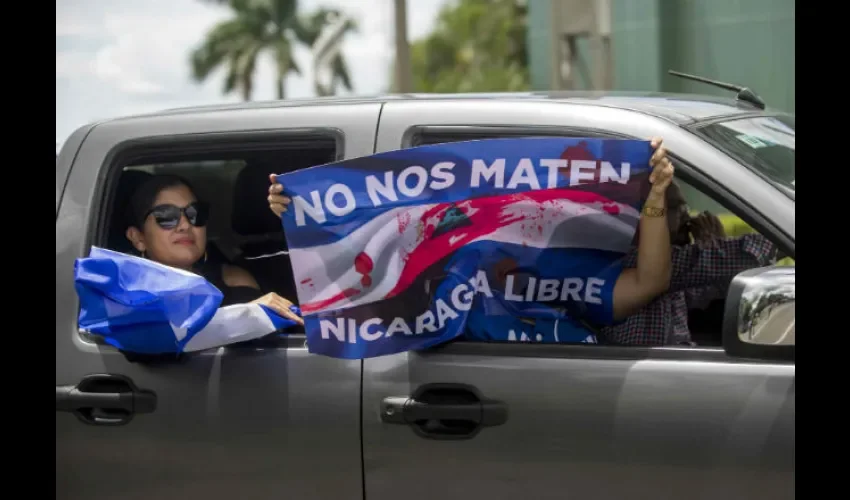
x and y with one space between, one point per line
284 59
258 25
339 69
222 39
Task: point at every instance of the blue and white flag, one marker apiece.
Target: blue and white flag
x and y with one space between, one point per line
143 307
502 239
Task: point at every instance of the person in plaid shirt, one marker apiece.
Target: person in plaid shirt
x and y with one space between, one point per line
700 272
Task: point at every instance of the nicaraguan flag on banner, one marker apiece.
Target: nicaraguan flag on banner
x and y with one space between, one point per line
502 239
140 306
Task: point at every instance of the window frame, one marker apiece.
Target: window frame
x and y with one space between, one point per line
123 154
412 134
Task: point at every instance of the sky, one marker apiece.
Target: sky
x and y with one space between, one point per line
125 57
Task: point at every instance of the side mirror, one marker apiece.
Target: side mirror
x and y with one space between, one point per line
759 320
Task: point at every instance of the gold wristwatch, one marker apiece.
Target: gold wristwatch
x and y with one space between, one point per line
654 211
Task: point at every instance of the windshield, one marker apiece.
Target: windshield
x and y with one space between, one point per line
765 144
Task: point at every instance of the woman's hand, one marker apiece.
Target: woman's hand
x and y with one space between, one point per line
277 202
662 169
279 305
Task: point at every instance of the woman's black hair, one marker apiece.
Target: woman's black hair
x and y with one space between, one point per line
145 196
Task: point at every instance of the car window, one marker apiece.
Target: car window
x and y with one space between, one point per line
705 304
241 228
764 144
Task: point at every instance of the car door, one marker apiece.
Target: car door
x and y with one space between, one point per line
241 422
569 421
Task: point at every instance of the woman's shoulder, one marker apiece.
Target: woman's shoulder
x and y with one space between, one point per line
234 276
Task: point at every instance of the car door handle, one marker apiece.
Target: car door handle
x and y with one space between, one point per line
104 399
444 411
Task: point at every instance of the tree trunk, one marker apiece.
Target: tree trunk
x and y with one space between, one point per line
280 93
403 76
247 90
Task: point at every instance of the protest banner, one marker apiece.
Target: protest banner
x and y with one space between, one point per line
501 239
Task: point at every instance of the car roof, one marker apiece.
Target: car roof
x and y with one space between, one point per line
681 109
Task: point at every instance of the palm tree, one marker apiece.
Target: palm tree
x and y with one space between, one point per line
310 29
258 26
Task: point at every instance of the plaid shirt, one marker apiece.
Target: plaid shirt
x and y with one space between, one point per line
701 272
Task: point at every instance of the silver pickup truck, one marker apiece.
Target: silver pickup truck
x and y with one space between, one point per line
267 420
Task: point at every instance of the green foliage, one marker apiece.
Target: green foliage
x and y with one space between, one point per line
476 46
734 225
257 27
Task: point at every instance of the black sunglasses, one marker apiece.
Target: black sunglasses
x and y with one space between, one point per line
168 216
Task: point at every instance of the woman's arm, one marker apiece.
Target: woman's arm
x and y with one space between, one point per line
638 286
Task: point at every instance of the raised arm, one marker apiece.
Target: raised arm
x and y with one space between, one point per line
638 286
